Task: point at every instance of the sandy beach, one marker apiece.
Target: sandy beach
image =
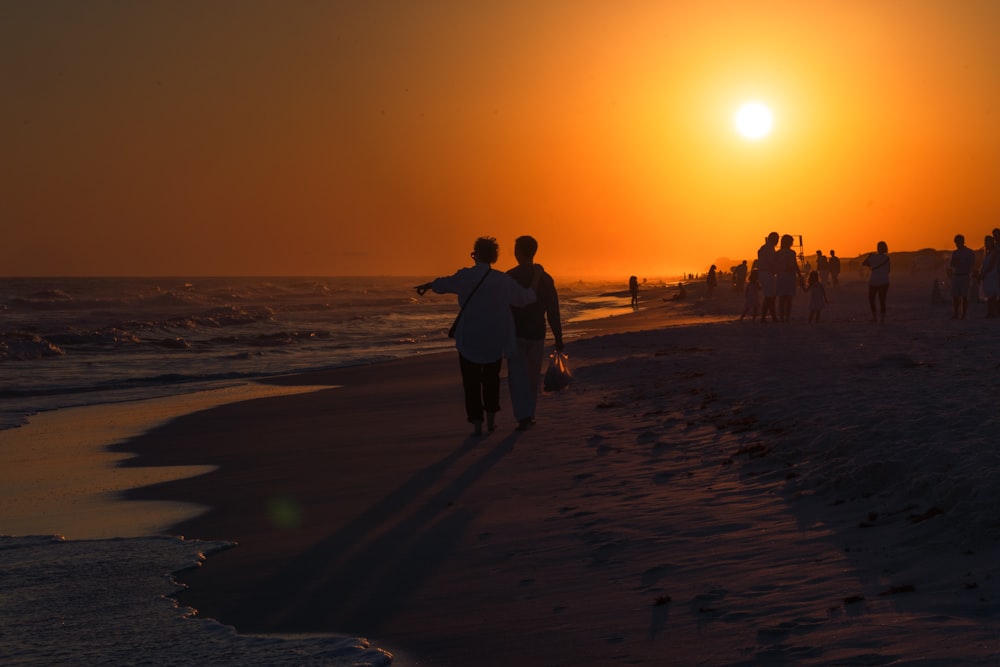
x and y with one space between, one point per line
707 492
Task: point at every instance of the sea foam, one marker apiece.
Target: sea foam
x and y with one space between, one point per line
107 602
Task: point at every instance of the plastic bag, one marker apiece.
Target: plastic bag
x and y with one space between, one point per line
558 376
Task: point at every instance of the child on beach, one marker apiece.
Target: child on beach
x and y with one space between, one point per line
752 296
817 297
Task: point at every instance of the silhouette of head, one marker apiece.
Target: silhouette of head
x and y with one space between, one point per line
787 241
832 253
959 240
486 249
772 238
882 247
813 277
525 248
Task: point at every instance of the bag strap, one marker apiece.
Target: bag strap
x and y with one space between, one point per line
462 309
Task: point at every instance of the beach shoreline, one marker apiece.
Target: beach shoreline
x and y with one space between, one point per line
694 495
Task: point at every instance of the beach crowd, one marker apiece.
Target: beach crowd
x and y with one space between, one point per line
769 284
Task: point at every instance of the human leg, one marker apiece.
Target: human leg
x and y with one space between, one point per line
872 291
518 381
490 380
883 290
472 386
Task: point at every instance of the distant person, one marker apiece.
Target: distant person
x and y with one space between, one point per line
817 296
878 281
711 281
963 261
822 267
988 276
681 293
937 292
834 263
525 368
788 277
766 270
484 330
740 272
633 288
751 296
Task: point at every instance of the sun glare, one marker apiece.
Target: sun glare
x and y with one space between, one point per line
754 120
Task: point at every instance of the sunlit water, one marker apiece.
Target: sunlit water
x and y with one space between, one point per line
83 341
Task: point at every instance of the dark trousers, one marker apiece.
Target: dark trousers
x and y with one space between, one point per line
482 387
880 291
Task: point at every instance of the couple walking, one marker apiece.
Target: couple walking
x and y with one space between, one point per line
502 315
778 270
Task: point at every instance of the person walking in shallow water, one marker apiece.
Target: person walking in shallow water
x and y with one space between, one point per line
878 281
484 331
525 368
633 289
963 261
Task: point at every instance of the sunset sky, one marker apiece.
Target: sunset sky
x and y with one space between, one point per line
293 137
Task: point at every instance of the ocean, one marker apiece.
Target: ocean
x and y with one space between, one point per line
80 341
68 342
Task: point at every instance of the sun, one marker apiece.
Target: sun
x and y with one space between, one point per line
754 120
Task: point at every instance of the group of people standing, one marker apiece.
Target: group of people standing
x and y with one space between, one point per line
962 270
502 315
775 278
776 274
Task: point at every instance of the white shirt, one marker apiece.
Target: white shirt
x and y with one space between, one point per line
485 331
879 264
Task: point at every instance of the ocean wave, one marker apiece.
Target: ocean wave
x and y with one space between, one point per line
109 336
108 602
24 347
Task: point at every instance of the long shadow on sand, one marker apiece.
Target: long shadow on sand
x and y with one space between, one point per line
359 576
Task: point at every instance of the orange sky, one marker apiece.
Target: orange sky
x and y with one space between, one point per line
344 138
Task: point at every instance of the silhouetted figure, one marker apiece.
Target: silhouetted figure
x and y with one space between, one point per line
834 265
988 276
740 276
878 281
524 369
633 288
751 296
822 267
937 292
787 277
963 261
484 329
681 293
711 281
766 259
817 297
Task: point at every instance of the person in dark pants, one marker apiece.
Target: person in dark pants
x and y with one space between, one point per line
484 331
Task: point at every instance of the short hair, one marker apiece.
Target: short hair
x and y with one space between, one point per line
960 237
526 244
882 246
486 249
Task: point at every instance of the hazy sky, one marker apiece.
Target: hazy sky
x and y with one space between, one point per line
258 137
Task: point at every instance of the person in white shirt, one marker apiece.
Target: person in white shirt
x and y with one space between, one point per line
878 281
484 331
